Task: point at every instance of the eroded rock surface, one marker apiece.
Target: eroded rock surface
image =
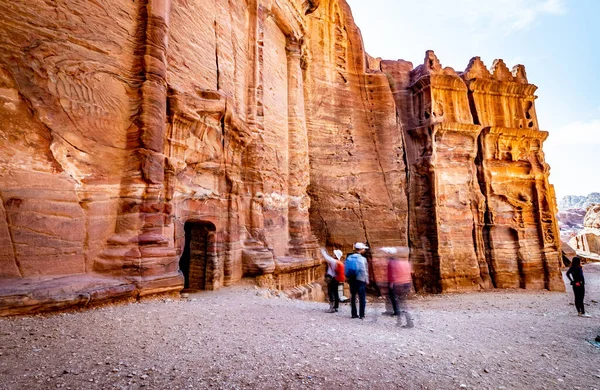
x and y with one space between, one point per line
570 222
571 213
481 209
169 144
588 239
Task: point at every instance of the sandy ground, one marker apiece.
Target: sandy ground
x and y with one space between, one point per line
236 338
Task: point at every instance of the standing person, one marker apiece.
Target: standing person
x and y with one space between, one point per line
333 278
400 281
357 274
575 275
340 275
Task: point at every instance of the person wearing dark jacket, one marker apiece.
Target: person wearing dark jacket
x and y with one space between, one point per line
575 275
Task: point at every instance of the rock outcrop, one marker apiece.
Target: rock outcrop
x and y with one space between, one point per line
588 239
481 210
155 145
570 222
571 213
578 201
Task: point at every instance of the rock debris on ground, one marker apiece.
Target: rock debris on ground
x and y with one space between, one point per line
236 338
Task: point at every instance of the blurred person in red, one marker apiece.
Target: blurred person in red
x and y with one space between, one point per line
399 283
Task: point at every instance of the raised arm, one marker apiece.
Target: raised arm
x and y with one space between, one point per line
329 259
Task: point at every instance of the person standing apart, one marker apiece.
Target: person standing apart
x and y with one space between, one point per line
400 282
333 277
575 275
357 275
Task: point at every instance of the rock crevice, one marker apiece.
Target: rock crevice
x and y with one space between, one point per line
187 144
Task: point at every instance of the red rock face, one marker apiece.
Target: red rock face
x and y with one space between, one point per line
183 143
357 168
482 212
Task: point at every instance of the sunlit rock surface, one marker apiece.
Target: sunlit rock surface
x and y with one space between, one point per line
578 201
155 145
588 239
481 210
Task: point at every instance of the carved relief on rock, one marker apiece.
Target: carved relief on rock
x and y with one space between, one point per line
189 143
513 174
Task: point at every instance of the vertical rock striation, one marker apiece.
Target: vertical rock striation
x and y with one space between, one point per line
481 209
156 145
357 171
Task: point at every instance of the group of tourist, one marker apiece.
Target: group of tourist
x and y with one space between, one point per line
355 271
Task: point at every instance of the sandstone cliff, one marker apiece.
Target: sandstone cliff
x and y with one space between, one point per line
571 213
154 145
481 210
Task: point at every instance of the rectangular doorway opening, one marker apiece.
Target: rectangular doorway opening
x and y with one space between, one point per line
197 262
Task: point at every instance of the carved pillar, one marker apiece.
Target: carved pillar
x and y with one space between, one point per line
301 238
522 240
445 199
139 250
548 223
255 117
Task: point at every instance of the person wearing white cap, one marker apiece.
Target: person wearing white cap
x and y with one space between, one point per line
357 274
333 277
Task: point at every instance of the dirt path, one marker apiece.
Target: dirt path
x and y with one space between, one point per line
237 339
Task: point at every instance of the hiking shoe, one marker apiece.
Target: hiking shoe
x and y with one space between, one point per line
586 315
354 316
330 311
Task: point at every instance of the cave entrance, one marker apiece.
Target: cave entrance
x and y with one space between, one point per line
197 263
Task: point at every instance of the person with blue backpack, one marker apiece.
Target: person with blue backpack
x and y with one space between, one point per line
357 276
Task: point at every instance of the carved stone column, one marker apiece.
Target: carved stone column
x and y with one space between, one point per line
301 238
142 247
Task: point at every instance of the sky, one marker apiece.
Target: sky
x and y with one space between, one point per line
558 41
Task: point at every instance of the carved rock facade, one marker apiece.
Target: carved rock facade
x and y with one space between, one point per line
154 145
481 210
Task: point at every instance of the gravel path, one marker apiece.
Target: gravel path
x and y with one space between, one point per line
236 338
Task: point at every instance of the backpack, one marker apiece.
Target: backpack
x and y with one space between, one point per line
352 266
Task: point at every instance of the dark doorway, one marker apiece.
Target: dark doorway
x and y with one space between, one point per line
198 258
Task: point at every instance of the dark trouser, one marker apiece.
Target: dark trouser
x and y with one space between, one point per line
360 288
333 293
398 294
579 294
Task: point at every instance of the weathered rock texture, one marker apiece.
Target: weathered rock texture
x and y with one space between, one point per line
166 144
481 210
571 213
570 222
588 239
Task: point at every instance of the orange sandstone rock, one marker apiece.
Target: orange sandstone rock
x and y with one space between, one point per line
166 144
588 239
